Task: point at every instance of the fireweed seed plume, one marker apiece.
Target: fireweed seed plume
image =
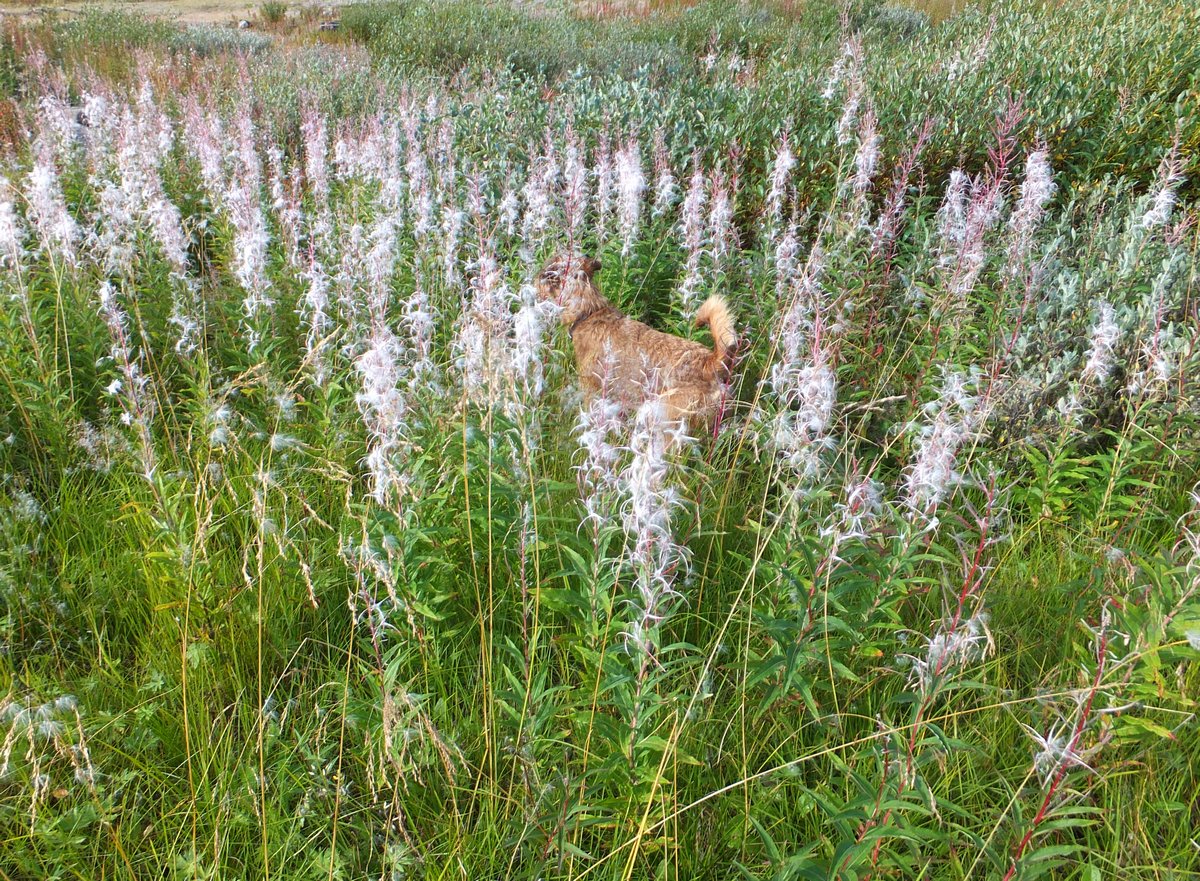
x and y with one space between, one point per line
284 188
856 516
1101 357
952 216
248 162
420 185
1166 189
575 186
383 410
381 265
420 322
848 70
58 233
509 210
208 143
348 278
1036 192
313 309
452 215
453 218
1162 353
969 211
951 421
445 153
98 117
603 173
130 388
648 502
866 165
692 228
250 242
133 197
529 332
720 219
13 255
787 250
631 184
55 125
538 193
803 379
666 186
598 431
483 329
954 644
315 133
781 169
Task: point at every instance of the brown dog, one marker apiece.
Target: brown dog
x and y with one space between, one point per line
630 361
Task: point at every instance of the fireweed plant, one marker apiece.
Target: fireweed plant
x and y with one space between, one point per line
316 562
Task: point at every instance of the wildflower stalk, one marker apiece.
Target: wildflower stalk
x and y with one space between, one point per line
1068 756
12 258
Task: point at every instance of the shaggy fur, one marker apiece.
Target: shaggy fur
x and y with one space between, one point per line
631 361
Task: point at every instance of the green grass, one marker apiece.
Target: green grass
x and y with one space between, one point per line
221 656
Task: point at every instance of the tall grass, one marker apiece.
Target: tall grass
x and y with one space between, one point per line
316 563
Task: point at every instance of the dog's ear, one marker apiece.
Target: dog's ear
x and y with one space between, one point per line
591 266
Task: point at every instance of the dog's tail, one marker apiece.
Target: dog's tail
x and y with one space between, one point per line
714 313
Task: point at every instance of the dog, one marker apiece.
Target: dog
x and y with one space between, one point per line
629 362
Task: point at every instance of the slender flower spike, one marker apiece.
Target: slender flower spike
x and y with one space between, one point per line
250 242
964 223
866 158
1162 203
804 380
316 154
785 161
787 250
1055 751
631 184
952 216
866 164
648 503
603 172
48 211
575 186
1036 193
954 420
1105 335
692 226
848 69
137 406
12 231
666 187
383 410
314 311
956 645
597 429
420 321
720 219
528 334
855 517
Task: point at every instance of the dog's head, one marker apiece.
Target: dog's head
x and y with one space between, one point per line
563 273
568 281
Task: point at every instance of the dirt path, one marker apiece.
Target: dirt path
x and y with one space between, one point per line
208 11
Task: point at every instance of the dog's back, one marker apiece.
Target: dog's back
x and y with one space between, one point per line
628 361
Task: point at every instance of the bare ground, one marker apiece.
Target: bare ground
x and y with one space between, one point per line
195 11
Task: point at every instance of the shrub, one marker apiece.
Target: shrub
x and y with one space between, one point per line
273 11
207 41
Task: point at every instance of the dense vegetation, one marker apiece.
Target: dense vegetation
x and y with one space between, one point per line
316 564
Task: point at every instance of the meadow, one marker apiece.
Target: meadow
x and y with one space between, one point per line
316 563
